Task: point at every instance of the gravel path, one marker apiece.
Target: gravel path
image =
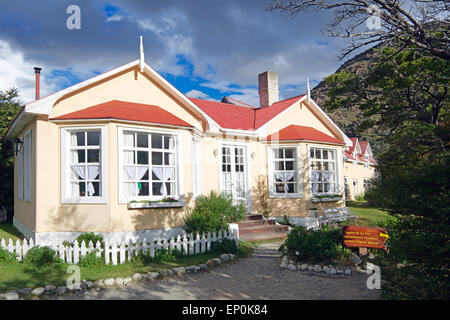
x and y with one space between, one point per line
257 277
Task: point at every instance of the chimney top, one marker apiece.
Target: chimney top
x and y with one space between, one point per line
268 88
37 70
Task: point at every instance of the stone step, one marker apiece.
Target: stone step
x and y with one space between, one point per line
251 223
254 217
263 236
263 228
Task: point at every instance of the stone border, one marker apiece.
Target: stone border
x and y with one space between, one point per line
314 269
92 288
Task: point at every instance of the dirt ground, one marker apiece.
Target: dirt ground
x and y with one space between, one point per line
258 277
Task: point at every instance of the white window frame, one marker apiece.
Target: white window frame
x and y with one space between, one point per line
297 164
66 188
178 165
196 167
27 150
20 172
337 166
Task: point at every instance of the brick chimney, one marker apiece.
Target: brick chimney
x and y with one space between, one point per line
268 88
37 72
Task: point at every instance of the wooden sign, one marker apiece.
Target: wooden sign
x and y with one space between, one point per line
365 237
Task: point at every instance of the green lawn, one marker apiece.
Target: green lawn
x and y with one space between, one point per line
368 216
18 275
7 230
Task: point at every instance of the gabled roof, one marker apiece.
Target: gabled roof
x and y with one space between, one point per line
363 145
299 133
231 116
128 111
349 155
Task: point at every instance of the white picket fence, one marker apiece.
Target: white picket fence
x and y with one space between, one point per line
119 253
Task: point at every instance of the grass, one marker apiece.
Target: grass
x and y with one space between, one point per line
7 230
368 216
15 276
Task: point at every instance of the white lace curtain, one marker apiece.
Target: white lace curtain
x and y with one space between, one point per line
92 173
285 177
163 174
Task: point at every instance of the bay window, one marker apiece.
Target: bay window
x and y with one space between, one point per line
323 171
284 169
148 166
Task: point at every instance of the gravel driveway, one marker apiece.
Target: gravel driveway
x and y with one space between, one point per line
257 277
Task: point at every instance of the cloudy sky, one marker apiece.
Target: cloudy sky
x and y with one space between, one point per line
206 48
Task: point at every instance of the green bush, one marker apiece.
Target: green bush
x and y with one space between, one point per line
224 246
7 257
161 256
90 236
41 255
314 245
212 213
91 260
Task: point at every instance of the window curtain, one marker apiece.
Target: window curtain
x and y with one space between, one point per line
135 173
168 175
92 173
285 177
314 180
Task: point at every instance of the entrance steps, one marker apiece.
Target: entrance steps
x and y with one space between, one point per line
256 228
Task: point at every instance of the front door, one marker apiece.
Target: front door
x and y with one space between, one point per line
233 170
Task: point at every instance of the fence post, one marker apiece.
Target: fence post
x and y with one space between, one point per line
3 244
130 249
185 245
122 253
152 248
106 252
203 242
61 250
18 250
83 249
208 241
98 249
24 248
114 253
191 244
197 244
76 252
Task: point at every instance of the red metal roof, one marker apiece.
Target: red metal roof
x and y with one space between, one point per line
363 145
295 133
122 110
349 155
244 118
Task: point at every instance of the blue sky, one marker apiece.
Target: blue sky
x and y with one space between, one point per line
206 48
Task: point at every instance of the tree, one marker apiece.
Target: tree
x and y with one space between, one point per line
9 106
422 24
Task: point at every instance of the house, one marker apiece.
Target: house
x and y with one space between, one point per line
359 168
99 156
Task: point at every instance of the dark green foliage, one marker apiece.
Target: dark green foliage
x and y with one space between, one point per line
224 246
314 245
40 256
6 256
212 213
9 107
161 256
90 236
91 260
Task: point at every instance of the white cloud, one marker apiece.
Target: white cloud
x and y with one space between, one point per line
114 18
197 94
18 73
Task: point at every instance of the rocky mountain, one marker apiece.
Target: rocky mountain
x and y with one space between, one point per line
349 117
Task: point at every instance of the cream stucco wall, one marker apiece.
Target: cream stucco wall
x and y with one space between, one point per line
357 173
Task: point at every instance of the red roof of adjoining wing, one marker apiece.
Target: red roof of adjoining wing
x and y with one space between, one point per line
354 144
263 115
372 160
363 145
122 110
232 116
296 133
227 115
349 155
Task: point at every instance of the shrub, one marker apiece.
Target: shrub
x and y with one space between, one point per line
40 256
224 246
161 256
212 213
6 256
314 245
91 260
90 236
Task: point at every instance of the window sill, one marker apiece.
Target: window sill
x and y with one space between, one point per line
285 196
156 204
331 199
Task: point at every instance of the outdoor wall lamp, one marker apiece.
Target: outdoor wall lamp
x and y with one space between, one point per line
18 143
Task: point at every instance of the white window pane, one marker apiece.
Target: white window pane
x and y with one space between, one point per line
128 157
128 139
